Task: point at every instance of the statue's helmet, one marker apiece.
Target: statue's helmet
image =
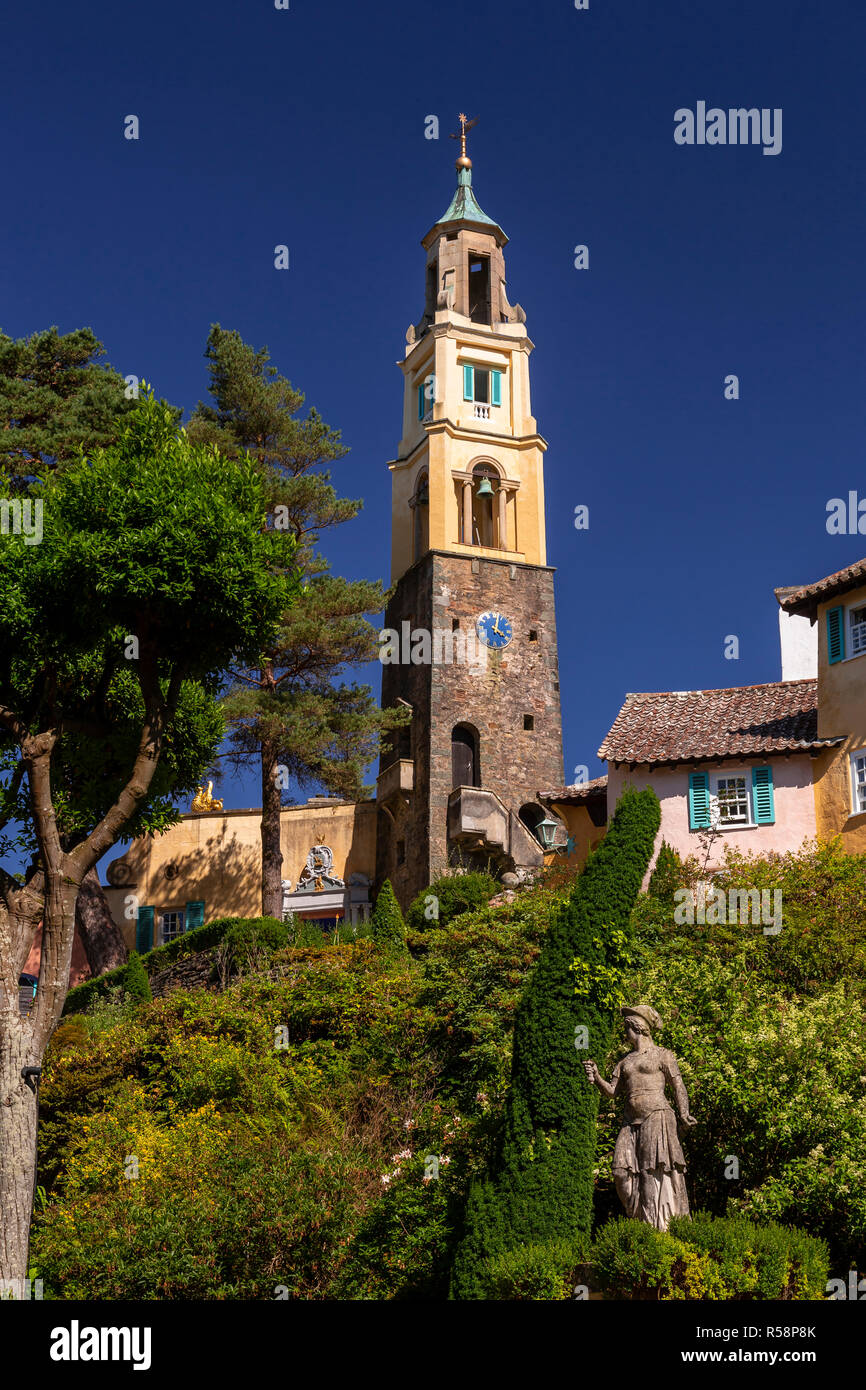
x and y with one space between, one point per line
646 1012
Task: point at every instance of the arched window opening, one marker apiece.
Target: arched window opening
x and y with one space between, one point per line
532 815
485 484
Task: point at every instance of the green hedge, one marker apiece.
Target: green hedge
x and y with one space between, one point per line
706 1257
537 1273
160 958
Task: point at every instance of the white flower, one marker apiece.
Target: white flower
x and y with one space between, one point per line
444 1160
385 1179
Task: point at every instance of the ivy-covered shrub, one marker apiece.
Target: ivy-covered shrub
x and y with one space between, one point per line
541 1180
448 897
388 927
537 1272
705 1257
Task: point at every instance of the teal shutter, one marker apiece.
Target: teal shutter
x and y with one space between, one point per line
421 401
468 383
699 800
144 930
836 635
762 796
194 916
495 388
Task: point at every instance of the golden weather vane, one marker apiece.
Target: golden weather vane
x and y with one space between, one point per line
465 126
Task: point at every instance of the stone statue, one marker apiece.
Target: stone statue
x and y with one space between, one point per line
648 1163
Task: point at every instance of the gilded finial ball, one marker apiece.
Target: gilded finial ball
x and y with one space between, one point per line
464 162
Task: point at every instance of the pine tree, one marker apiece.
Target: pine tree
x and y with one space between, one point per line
388 927
287 714
55 397
541 1182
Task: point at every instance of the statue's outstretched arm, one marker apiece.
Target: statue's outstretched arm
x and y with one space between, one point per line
607 1088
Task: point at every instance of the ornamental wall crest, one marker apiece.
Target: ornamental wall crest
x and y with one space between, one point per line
318 873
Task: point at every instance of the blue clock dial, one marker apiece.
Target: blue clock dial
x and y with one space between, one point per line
494 630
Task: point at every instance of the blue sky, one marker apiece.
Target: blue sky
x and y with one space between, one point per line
306 127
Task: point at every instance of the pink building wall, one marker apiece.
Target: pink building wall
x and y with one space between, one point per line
78 968
794 804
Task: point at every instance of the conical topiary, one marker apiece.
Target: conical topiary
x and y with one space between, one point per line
387 925
667 876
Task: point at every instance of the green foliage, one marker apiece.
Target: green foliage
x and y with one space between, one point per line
473 973
261 934
56 397
667 876
102 987
149 539
448 897
537 1273
542 1178
708 1258
388 927
384 1058
767 1029
134 981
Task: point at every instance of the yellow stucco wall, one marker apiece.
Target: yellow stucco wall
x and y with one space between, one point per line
841 711
580 827
216 856
454 441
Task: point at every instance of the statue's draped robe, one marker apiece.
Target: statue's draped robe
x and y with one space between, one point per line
648 1161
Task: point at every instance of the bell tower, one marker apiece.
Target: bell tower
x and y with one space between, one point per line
468 558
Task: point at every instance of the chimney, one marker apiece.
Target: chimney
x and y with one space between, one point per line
798 637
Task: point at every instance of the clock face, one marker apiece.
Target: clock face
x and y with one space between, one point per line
494 630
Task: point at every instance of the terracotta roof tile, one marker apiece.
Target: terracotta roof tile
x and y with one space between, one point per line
580 791
807 596
686 726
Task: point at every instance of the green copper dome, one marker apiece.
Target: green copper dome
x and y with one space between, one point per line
464 206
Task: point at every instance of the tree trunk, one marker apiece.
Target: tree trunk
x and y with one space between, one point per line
103 944
272 854
17 1144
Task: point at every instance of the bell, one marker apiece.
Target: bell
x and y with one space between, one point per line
484 488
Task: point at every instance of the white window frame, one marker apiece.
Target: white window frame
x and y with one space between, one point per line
850 654
715 819
856 808
178 912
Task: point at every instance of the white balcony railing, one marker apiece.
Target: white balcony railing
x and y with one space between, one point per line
482 412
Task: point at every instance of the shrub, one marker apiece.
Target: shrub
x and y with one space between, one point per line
705 1257
388 927
667 876
634 1261
454 894
135 984
244 939
537 1272
541 1181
